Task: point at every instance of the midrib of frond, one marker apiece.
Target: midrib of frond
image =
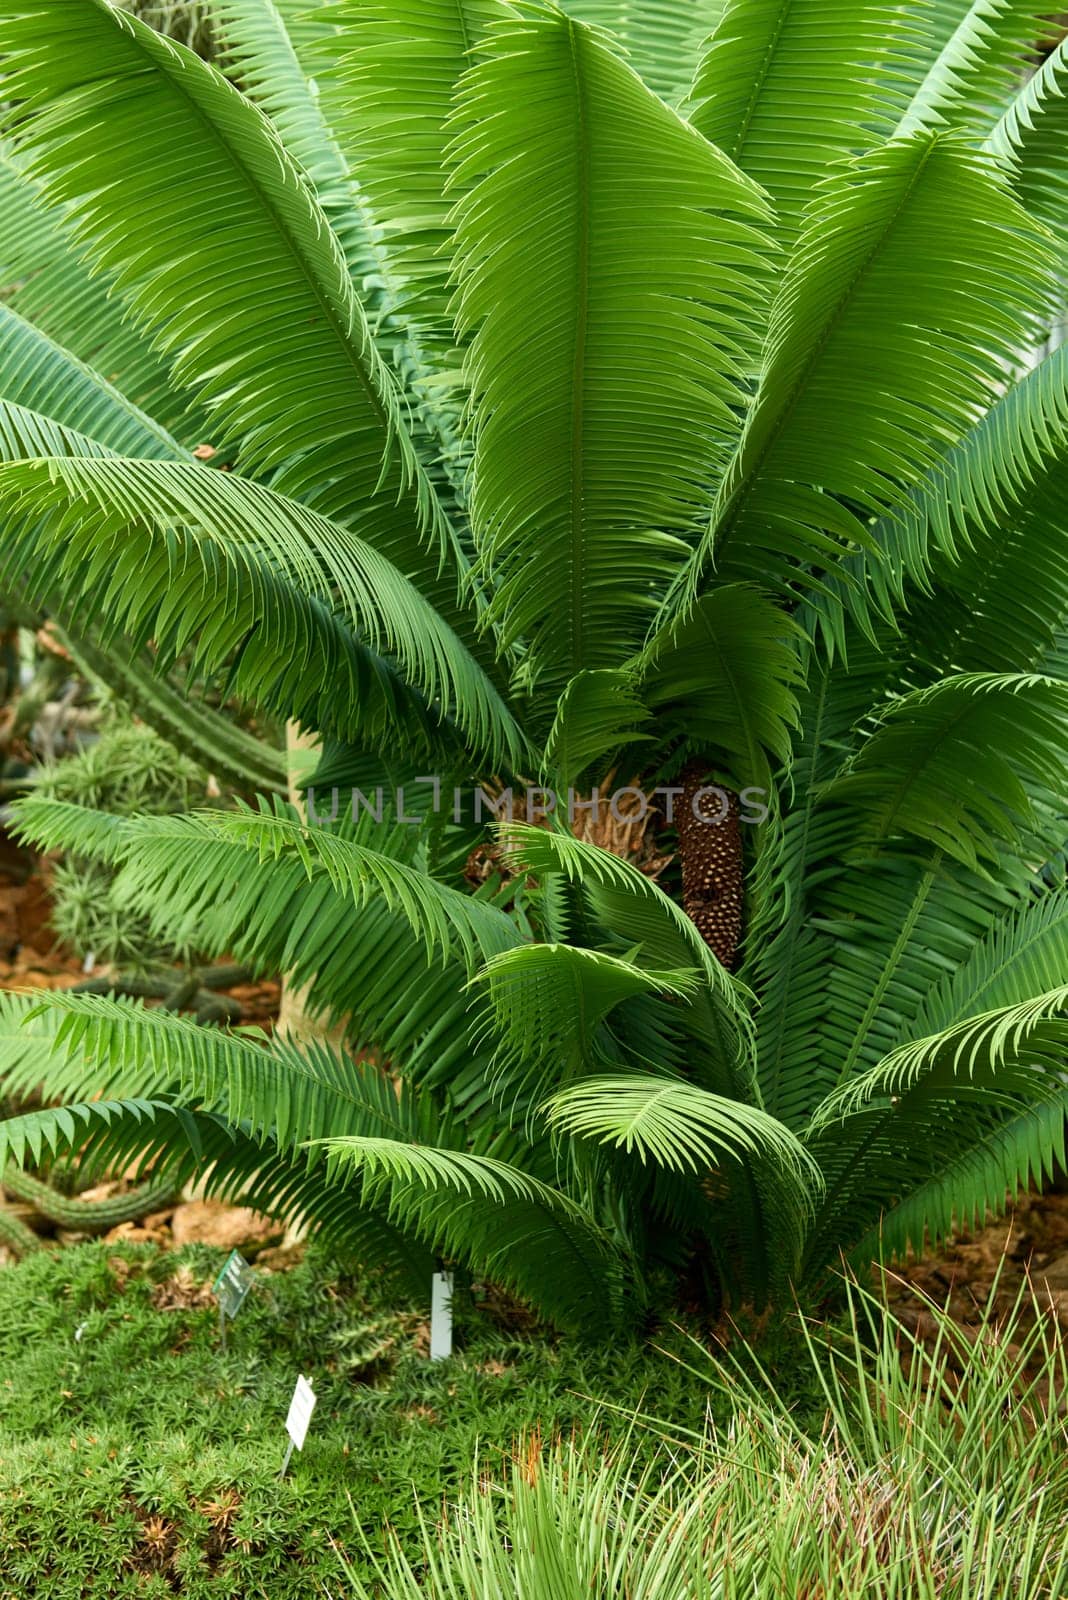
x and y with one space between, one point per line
578 366
725 516
737 145
970 1003
890 966
466 40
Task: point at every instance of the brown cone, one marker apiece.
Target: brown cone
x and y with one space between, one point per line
710 848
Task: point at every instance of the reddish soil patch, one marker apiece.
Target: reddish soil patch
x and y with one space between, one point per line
983 1272
30 958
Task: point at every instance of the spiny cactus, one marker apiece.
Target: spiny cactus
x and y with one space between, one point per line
216 744
15 1236
85 1216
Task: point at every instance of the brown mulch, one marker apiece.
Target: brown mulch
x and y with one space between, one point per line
1004 1282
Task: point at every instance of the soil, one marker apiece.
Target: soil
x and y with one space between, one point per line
1016 1267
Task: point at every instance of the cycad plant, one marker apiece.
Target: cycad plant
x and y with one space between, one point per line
640 402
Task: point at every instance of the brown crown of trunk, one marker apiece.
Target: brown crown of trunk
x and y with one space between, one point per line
710 850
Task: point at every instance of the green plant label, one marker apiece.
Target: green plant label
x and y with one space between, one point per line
233 1284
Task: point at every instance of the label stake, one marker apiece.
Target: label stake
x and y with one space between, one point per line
441 1316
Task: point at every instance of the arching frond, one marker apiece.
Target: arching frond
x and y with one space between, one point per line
36 1134
725 677
945 1125
361 963
1021 1150
257 313
788 87
596 431
48 283
545 1005
959 518
258 52
660 39
597 714
39 375
947 764
1025 955
389 78
767 1183
660 935
443 917
679 1126
1030 137
917 267
523 1232
977 66
1027 1038
198 558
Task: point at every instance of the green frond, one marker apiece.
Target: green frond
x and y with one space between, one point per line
1025 954
74 1045
48 284
39 375
980 1050
918 268
681 1127
660 39
272 1089
978 66
1030 139
545 1004
622 898
596 431
259 54
725 677
788 87
295 65
36 1134
658 935
257 312
198 559
942 1127
947 764
432 1169
597 714
1020 1151
443 917
763 1186
361 963
482 1210
47 824
969 514
389 76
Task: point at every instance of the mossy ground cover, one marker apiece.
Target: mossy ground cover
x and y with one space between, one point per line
140 1460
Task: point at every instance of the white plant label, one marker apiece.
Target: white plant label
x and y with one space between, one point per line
441 1317
300 1412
